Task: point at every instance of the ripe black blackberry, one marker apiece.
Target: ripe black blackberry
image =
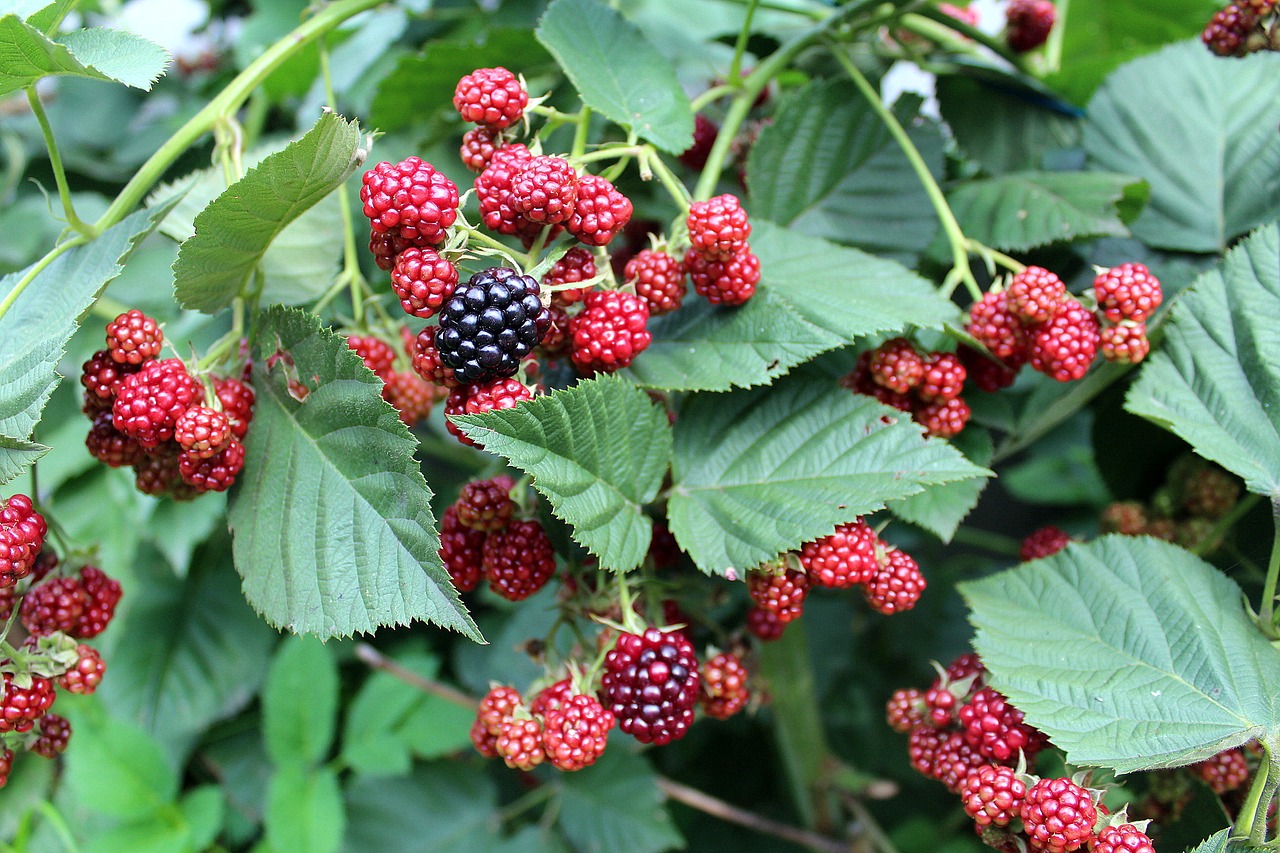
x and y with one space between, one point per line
490 323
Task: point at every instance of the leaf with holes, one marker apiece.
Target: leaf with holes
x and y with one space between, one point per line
27 55
1215 381
1128 652
617 72
761 472
332 519
233 233
597 451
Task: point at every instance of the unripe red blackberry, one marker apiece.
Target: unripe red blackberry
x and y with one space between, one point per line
1125 517
493 97
577 264
133 338
427 363
518 560
544 190
56 604
102 594
1058 815
943 378
461 551
158 475
149 402
22 532
519 743
486 505
86 675
992 795
845 558
987 374
764 624
781 592
576 732
237 400
110 446
724 686
485 743
551 697
410 395
493 192
1034 294
997 328
651 684
1228 31
55 732
898 584
1066 346
1209 492
905 709
610 332
202 432
213 474
477 399
20 707
600 212
1224 772
896 365
423 281
718 227
1045 542
861 382
1128 292
955 759
378 355
478 145
995 727
412 199
1125 838
705 132
386 246
1029 23
658 278
724 281
945 419
6 765
1125 343
922 748
101 376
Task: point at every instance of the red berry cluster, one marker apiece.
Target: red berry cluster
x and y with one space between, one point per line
1045 542
58 610
22 532
1028 23
1224 772
1186 509
720 263
479 537
402 386
1243 27
928 386
567 728
181 434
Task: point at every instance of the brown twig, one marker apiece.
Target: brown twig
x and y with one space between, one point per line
725 811
377 660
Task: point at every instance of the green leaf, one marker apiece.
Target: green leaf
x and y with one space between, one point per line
1002 128
703 347
442 806
305 810
760 472
1099 35
1221 843
35 330
614 805
422 85
332 519
844 291
597 451
618 73
233 233
26 55
1217 132
117 770
1197 673
191 653
940 509
1026 210
17 456
153 834
300 703
1215 381
203 810
827 166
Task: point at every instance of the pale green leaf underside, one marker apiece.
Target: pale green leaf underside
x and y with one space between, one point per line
26 55
761 472
1215 381
827 166
1202 132
1129 652
35 330
597 451
1026 210
16 455
233 233
617 72
333 527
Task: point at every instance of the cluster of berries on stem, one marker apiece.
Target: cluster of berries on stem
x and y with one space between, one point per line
928 386
1243 27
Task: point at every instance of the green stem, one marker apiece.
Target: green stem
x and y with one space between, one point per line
955 236
1220 528
60 17
1257 801
350 251
611 152
60 827
1267 616
1053 50
36 269
710 96
580 132
993 44
227 102
651 162
55 161
735 67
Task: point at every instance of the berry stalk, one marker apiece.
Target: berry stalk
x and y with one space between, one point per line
55 162
1267 617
